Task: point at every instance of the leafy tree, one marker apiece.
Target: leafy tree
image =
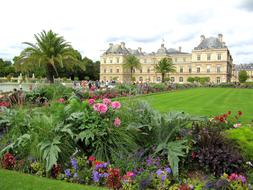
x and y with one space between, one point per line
243 76
132 62
49 51
165 66
190 79
6 68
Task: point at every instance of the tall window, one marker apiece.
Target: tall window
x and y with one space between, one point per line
148 70
198 69
140 70
158 79
181 79
219 56
208 57
198 57
140 79
218 69
104 60
184 59
104 70
181 69
110 60
190 69
218 80
117 60
172 79
110 70
117 70
208 68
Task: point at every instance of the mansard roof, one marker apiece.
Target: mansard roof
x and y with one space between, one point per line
248 66
210 43
117 49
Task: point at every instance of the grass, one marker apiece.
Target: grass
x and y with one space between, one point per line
205 101
11 180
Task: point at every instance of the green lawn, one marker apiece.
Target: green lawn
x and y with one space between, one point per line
10 180
205 101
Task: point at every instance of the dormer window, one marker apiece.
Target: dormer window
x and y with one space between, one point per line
219 56
198 57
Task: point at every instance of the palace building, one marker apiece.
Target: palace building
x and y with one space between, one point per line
211 58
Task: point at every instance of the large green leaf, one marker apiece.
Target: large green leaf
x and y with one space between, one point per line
50 151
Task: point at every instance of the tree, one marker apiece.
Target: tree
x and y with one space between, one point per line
165 66
243 76
49 51
131 62
190 79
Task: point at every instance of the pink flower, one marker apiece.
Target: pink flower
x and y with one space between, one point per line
107 101
116 105
61 100
117 122
233 177
130 174
101 108
237 125
91 101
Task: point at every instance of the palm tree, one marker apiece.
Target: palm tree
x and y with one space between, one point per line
164 66
131 62
49 51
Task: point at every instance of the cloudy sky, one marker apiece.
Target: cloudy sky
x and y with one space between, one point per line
91 25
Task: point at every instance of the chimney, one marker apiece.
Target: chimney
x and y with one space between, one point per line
220 36
179 48
122 44
110 45
139 49
202 37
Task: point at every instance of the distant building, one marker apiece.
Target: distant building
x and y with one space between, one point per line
211 58
247 67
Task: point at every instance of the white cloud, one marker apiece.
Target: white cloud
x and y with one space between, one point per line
89 25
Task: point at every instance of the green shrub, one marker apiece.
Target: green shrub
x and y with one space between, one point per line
244 138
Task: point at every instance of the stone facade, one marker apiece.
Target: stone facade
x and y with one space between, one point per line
211 58
247 67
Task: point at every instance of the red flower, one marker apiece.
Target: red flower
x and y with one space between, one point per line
216 118
194 154
229 112
225 115
239 113
97 163
8 161
113 180
91 158
222 119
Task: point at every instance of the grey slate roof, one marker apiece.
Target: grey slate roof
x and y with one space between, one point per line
116 49
210 43
248 66
121 49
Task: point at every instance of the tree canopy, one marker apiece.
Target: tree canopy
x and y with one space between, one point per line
165 66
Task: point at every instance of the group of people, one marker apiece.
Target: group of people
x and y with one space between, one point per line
92 85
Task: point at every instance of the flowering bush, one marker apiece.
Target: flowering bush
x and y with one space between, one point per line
113 180
8 161
226 120
5 104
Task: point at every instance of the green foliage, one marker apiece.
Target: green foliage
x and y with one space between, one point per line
244 138
243 76
190 79
131 62
50 50
50 151
165 66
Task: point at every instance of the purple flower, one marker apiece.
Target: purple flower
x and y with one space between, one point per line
168 170
74 163
191 187
67 172
75 175
149 161
163 178
95 176
242 178
159 172
105 175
